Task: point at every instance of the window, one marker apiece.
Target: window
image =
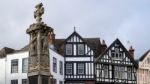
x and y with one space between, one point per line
24 65
54 65
24 81
14 81
14 66
116 54
61 67
80 49
106 71
148 74
80 68
54 81
148 60
68 49
129 73
69 68
60 82
122 72
119 72
116 74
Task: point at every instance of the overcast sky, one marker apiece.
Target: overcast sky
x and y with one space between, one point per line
128 20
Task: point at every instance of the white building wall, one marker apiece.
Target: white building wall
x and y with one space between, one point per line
12 76
57 75
5 70
143 72
2 71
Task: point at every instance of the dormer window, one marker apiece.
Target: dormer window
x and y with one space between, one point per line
68 49
80 49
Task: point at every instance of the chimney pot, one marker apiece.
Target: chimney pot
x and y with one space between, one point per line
131 51
103 46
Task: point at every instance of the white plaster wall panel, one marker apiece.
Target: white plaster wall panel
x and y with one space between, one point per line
2 71
77 58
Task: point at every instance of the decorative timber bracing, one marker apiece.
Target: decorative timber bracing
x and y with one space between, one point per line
115 66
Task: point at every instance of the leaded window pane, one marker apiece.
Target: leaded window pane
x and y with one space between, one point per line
69 68
68 49
129 74
80 49
119 72
80 68
106 71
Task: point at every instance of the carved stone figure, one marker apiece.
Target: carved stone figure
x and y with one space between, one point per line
44 42
39 12
33 44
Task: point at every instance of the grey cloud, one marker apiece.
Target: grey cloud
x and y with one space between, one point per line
127 20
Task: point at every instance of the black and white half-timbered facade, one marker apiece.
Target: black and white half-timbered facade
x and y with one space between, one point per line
79 60
115 66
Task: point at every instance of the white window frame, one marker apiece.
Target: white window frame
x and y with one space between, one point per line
61 67
14 65
24 65
54 64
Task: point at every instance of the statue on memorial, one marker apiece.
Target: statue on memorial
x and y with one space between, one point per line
33 44
44 42
39 12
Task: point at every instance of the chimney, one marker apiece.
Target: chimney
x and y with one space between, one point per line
131 51
51 39
103 46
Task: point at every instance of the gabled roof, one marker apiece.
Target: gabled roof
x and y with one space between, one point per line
93 43
4 51
144 55
119 42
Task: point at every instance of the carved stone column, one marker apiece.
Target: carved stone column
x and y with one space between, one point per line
38 66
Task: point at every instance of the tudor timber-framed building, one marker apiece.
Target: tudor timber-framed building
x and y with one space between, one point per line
143 72
79 54
116 65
